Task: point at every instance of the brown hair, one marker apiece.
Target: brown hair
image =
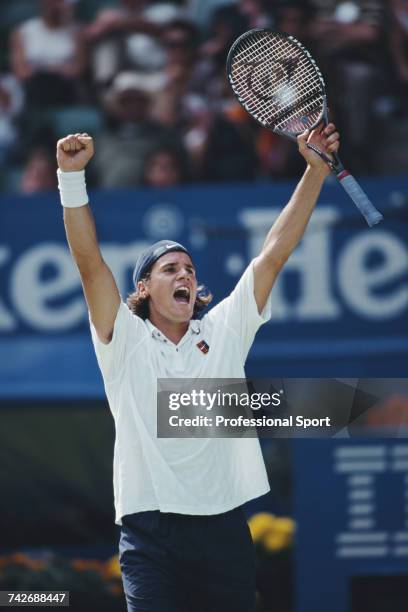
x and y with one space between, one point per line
140 305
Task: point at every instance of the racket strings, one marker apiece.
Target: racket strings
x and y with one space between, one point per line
307 96
279 53
285 92
288 96
305 81
292 101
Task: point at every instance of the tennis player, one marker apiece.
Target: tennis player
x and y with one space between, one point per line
185 544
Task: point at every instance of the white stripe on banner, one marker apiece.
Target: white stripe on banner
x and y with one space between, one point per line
360 452
362 551
374 538
359 466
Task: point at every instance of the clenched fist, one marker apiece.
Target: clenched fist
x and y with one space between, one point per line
324 138
74 152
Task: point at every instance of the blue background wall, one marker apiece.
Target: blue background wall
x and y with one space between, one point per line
340 304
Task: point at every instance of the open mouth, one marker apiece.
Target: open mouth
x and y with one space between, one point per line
182 295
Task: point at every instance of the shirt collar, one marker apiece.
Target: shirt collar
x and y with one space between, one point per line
194 327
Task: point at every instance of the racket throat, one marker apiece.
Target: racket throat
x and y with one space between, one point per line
334 164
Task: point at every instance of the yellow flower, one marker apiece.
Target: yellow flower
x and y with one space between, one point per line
260 525
275 541
272 532
112 567
285 524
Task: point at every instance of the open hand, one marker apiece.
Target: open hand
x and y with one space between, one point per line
325 139
74 152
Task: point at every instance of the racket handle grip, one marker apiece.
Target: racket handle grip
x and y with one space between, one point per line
353 189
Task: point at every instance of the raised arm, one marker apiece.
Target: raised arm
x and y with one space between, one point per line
101 292
289 227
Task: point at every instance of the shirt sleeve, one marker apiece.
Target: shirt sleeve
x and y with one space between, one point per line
128 332
239 311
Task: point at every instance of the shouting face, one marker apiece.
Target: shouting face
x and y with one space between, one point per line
171 289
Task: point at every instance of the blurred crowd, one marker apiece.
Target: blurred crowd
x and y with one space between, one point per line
147 79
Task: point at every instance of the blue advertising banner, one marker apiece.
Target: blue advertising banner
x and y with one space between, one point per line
340 304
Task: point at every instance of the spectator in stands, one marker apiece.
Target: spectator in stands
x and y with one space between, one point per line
127 15
11 104
122 150
48 56
228 21
179 39
123 37
39 172
292 19
165 11
399 39
347 42
192 100
164 167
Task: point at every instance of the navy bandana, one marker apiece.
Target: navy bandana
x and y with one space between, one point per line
150 255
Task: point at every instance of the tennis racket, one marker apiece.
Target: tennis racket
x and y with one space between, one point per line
279 84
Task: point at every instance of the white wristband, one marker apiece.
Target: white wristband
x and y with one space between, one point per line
72 188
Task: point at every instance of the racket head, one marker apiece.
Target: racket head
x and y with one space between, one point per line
276 80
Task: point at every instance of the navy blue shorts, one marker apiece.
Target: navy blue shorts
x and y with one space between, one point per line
183 563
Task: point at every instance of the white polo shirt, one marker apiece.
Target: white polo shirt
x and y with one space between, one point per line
186 476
